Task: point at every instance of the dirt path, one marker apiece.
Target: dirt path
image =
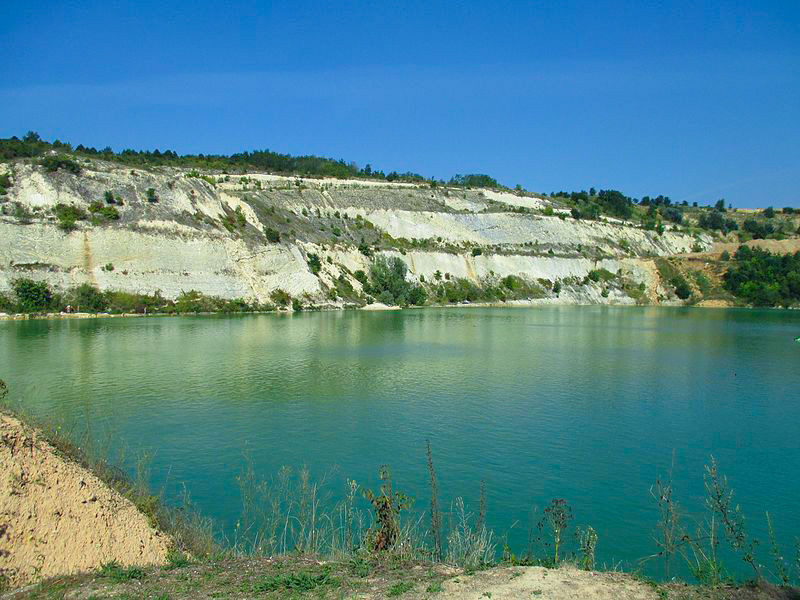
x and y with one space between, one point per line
565 583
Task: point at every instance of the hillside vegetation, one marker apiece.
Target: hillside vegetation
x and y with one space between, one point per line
132 231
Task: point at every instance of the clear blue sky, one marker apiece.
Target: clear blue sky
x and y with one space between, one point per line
695 100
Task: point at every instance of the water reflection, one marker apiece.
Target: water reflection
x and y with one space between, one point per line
586 403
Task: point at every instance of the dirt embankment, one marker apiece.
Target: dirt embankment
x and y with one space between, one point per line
789 246
57 518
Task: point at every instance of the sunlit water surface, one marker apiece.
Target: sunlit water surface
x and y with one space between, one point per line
582 403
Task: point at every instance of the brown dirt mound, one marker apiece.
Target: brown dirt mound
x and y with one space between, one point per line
57 518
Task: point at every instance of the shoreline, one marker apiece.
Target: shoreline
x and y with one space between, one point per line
509 304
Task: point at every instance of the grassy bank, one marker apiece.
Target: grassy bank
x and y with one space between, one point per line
293 540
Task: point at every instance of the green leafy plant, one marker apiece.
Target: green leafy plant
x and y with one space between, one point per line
386 505
272 235
400 588
436 514
314 263
54 162
281 298
32 296
103 211
119 574
719 499
557 516
68 215
682 289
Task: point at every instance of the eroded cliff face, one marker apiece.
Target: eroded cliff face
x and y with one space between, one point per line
217 234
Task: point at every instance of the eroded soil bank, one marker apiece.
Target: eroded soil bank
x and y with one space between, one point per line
57 518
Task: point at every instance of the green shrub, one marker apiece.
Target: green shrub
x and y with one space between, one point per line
682 289
477 252
108 196
389 284
21 212
235 221
103 211
272 236
151 195
67 215
764 279
241 220
601 275
119 574
281 298
54 162
511 282
66 222
119 301
32 296
5 183
194 301
314 264
88 297
457 290
7 304
343 287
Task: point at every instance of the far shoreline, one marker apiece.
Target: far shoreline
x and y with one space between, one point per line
510 304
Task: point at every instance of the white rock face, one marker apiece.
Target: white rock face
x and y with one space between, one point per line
147 261
518 229
210 236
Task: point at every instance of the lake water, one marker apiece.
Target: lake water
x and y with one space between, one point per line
582 403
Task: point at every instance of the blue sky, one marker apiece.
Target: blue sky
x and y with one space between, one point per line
695 100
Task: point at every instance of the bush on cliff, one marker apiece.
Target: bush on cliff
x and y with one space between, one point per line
32 296
388 282
88 298
54 162
682 289
67 215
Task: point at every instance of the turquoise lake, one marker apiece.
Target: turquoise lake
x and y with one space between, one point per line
582 403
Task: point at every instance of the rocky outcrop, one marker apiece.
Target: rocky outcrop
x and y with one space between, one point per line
248 236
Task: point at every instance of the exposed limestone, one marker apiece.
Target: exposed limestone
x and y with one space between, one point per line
212 234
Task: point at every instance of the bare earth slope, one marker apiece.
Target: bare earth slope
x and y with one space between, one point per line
58 518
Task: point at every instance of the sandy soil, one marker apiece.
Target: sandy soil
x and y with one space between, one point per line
58 518
714 303
775 246
537 582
